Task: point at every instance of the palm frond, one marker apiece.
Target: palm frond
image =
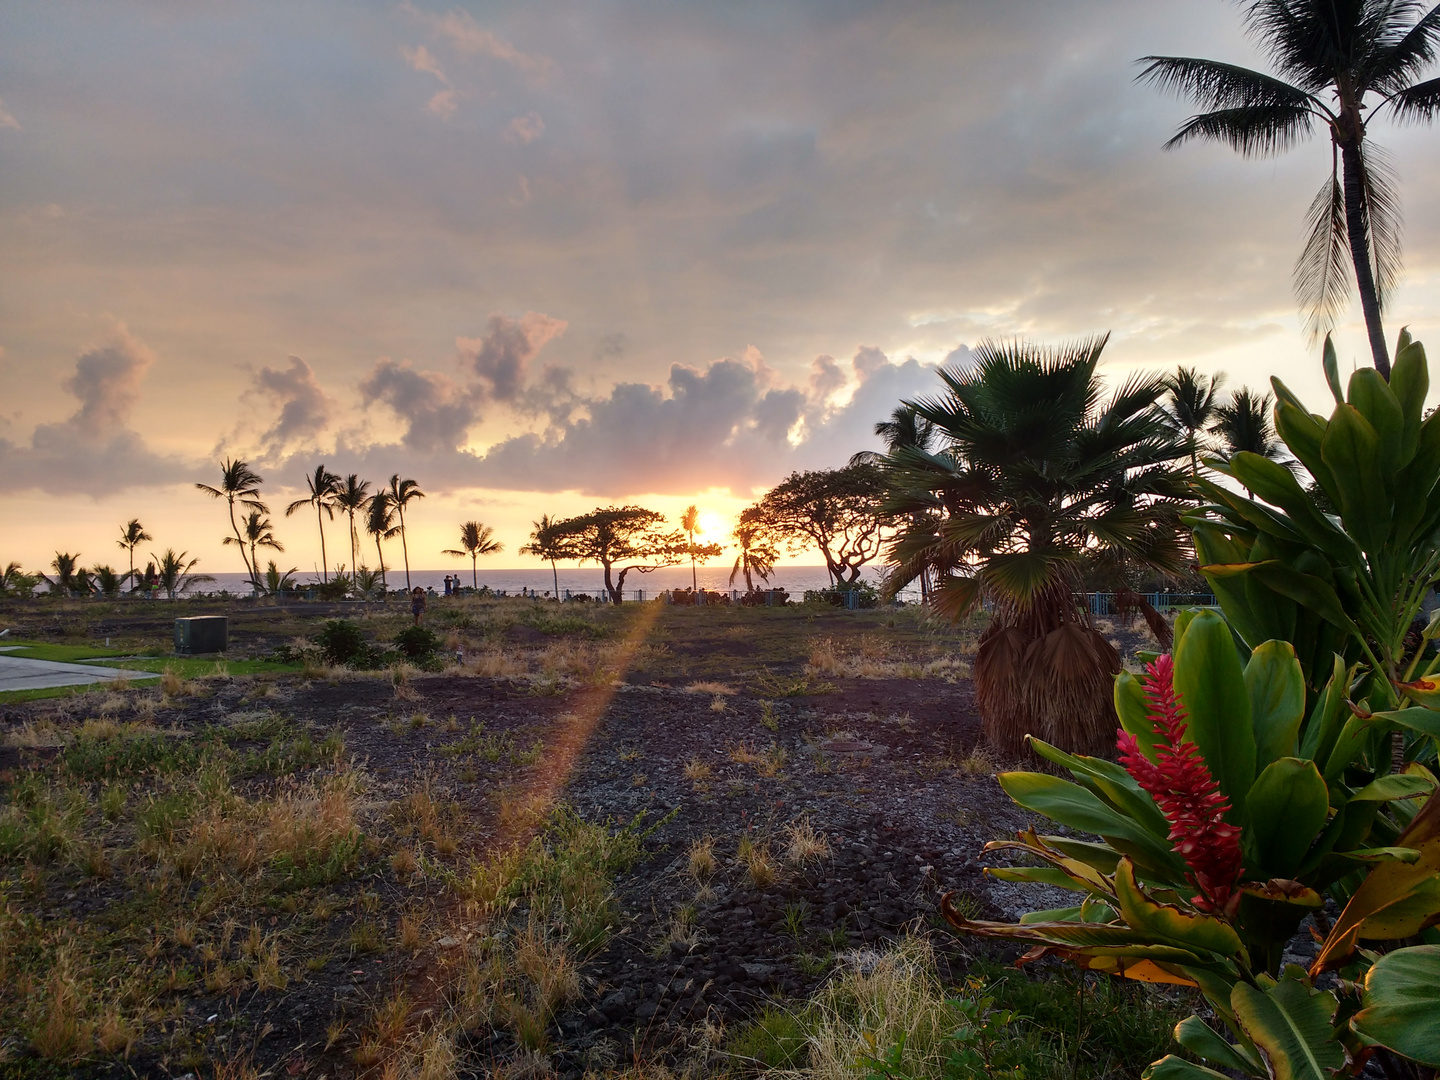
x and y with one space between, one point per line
1414 49
1254 130
1416 104
1322 272
1382 218
1214 85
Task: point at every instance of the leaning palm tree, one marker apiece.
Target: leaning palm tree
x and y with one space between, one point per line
380 523
352 497
757 554
401 493
475 540
132 535
1191 402
1330 58
548 543
690 522
1038 484
258 532
238 483
323 487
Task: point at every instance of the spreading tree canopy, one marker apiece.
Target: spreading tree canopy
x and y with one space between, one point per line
840 511
622 539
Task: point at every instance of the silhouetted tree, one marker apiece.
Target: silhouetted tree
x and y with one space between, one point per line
323 487
238 484
132 535
622 539
402 493
475 540
840 511
548 544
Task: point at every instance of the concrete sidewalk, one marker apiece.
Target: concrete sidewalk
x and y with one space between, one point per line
18 673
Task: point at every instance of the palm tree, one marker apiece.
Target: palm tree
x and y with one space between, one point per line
476 540
352 497
132 535
690 522
757 555
1331 56
174 572
380 523
548 543
14 581
323 487
1244 423
258 532
108 581
276 581
1191 402
1039 485
401 493
67 578
238 483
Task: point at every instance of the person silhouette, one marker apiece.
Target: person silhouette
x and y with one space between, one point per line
417 603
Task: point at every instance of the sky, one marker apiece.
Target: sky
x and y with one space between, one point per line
549 255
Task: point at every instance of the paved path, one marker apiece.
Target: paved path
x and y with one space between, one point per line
19 673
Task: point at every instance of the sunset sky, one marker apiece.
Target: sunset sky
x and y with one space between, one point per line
547 255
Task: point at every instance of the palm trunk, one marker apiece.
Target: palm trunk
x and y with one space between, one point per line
240 542
354 561
557 579
380 554
324 562
404 547
1360 253
474 580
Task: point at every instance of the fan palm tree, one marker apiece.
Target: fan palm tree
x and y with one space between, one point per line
238 483
690 522
401 493
132 535
548 543
258 532
380 523
757 554
1038 484
352 498
476 540
1331 56
323 487
1191 402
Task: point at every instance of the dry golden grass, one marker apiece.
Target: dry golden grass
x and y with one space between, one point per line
697 770
759 864
702 862
804 844
767 762
713 688
173 684
873 660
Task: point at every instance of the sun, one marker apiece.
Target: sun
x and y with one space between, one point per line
713 525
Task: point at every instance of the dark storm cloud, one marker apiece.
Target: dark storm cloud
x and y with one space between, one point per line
93 451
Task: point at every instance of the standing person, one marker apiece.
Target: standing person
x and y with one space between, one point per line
417 603
447 584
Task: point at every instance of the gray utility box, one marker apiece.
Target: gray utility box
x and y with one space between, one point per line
202 634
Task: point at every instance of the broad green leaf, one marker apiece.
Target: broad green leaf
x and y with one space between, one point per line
1328 714
1313 592
1211 685
1204 1041
1410 382
1171 1067
1048 915
1274 483
1401 1003
1352 451
1182 623
1169 924
1277 699
1404 919
1036 875
1072 805
1133 712
1116 787
1371 395
1395 786
1285 810
1353 737
1416 718
1289 1023
1101 857
1332 370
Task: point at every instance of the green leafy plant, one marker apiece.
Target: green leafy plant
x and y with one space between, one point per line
342 642
417 644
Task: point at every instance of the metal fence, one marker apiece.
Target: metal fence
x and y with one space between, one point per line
1104 603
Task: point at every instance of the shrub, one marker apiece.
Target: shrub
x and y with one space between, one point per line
417 644
343 642
839 595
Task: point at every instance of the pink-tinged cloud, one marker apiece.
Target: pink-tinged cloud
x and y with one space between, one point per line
501 358
523 130
305 408
465 35
423 60
7 118
94 451
437 413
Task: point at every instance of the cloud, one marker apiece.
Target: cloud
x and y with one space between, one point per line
501 357
7 118
525 129
437 413
305 408
423 60
465 35
93 451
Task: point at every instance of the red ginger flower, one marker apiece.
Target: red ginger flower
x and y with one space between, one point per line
1181 784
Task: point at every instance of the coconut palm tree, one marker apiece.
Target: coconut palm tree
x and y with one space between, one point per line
238 483
690 522
548 543
1191 402
1340 65
67 579
174 573
352 498
401 493
380 523
475 540
323 487
132 535
1038 484
757 554
258 532
1244 423
108 581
